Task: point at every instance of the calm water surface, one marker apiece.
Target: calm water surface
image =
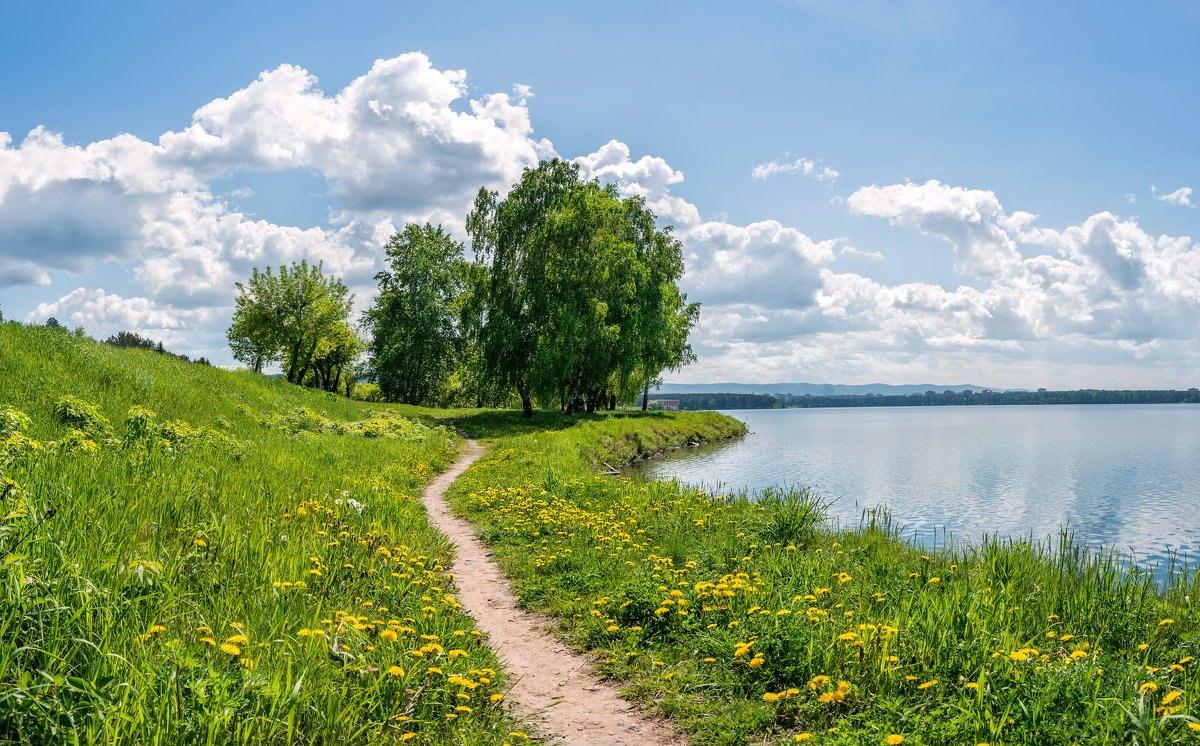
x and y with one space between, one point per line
1123 476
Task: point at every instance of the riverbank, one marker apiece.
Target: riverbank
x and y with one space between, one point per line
751 620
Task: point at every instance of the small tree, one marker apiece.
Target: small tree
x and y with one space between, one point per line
285 317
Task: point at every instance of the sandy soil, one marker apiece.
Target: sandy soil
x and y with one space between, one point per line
552 686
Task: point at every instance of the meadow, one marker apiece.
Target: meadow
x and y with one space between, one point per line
192 555
752 621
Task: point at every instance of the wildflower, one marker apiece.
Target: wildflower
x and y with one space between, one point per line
1194 727
247 663
894 740
934 580
457 653
200 542
395 671
1142 646
237 639
817 682
972 685
771 697
802 737
928 684
844 577
847 637
1165 622
497 697
208 641
388 634
756 661
1171 696
229 648
1148 686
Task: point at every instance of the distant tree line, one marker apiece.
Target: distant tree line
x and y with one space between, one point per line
960 398
698 402
137 341
571 300
126 339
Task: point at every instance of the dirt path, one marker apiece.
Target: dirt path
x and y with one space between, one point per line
552 685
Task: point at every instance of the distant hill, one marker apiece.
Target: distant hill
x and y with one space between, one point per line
814 389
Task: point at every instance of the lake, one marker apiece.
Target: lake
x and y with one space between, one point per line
1123 476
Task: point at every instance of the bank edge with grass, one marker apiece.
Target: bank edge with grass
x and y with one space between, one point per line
751 620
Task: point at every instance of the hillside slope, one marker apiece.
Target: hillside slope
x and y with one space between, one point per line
197 555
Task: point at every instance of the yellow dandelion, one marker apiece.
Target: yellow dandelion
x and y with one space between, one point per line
229 648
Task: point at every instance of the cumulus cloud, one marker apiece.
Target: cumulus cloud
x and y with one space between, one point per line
1181 197
103 314
649 177
401 142
800 166
970 220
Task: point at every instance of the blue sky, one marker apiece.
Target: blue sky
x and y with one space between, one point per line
1083 114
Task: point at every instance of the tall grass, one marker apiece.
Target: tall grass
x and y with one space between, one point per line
753 621
197 556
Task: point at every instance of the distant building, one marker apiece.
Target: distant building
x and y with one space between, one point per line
672 404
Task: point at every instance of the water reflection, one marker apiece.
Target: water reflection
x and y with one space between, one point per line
1123 476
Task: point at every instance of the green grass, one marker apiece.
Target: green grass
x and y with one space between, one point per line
740 619
153 511
166 509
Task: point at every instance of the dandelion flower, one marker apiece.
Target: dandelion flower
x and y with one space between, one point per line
803 737
1148 686
395 671
228 648
894 740
928 684
1171 697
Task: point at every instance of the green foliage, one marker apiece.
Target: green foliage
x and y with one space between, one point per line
741 618
297 318
582 306
82 415
194 526
417 336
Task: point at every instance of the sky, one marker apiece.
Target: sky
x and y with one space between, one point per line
927 192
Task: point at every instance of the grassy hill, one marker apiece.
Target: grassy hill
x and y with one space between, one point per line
197 555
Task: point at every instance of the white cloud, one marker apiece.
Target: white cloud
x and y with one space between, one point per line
971 220
801 166
764 263
649 177
1181 197
103 314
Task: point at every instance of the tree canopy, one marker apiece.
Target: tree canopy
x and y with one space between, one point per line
415 325
297 318
582 303
572 300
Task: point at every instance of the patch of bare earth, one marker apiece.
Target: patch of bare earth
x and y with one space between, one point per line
551 685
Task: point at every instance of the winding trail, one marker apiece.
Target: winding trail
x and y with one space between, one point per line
551 685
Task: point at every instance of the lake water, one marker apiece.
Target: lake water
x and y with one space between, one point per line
1123 476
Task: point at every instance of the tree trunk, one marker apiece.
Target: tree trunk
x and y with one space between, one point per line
526 402
646 398
612 402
